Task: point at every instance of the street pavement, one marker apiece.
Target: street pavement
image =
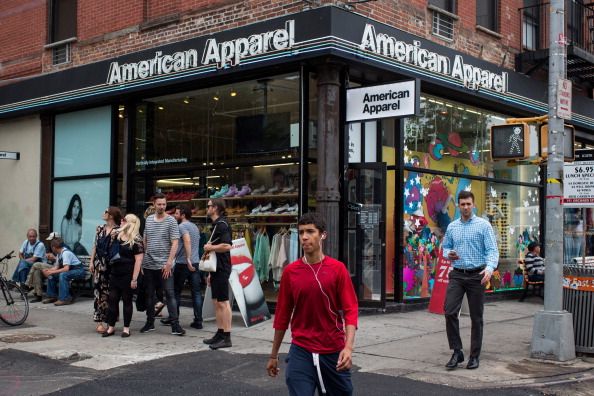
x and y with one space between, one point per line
397 353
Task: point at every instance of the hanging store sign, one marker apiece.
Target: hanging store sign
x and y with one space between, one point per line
11 155
223 54
471 76
578 184
383 101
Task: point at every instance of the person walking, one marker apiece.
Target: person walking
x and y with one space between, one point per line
317 297
470 244
161 236
186 264
99 265
220 243
123 273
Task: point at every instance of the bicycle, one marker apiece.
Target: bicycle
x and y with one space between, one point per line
14 306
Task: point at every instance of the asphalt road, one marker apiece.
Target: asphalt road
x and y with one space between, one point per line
196 373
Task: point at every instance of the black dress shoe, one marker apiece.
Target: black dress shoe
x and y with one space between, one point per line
108 334
473 363
457 357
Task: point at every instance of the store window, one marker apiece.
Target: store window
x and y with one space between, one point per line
239 142
81 183
487 14
430 206
452 137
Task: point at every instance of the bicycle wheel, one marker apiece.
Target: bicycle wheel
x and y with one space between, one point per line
14 306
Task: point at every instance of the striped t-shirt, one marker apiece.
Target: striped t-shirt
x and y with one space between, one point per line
159 237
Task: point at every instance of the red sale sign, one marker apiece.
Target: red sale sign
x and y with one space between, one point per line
440 285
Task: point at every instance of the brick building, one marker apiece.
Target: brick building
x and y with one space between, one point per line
111 101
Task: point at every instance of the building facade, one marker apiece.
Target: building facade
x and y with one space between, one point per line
247 100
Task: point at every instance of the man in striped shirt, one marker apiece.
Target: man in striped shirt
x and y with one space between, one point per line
470 244
161 235
534 263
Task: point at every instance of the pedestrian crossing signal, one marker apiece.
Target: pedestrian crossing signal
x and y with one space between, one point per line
568 142
509 141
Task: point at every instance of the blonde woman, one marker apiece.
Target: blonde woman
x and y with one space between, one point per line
124 273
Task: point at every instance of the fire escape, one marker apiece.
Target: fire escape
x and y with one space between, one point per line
579 30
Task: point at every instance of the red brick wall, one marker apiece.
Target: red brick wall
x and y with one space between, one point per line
22 37
110 28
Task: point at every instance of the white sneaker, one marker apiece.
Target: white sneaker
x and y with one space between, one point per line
288 190
293 209
266 209
273 190
256 210
282 209
259 191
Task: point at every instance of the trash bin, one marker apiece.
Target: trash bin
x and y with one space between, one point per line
578 298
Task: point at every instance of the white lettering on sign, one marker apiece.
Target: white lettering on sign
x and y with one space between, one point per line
223 54
381 101
472 77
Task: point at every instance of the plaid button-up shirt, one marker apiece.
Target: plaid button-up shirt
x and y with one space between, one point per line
474 241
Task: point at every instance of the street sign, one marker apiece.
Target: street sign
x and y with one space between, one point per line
509 141
584 155
564 99
10 155
568 142
383 101
578 184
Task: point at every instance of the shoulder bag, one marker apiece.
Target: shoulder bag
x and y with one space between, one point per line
208 262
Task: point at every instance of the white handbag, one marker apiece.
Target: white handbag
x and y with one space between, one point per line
208 262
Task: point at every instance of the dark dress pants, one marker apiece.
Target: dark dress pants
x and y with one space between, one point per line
469 283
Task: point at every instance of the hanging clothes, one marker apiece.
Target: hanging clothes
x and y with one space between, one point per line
262 255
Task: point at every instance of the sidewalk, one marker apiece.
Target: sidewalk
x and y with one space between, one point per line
410 345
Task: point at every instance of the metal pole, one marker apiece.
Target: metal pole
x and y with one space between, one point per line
552 336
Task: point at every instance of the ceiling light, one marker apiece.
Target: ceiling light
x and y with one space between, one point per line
215 98
161 108
233 93
140 111
186 100
121 107
121 115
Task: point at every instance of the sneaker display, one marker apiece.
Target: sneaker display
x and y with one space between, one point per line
293 209
288 190
148 326
221 192
259 191
273 190
256 210
282 209
245 190
266 209
176 329
232 191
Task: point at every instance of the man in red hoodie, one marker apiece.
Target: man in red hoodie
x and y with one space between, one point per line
318 299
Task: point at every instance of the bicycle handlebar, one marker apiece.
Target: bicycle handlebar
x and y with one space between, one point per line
8 256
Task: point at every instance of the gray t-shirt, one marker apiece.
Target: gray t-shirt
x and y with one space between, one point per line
159 238
187 227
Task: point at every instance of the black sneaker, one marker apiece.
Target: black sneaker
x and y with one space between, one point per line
166 322
224 342
147 327
176 329
218 336
196 325
35 298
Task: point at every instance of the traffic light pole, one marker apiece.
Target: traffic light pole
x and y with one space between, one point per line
552 334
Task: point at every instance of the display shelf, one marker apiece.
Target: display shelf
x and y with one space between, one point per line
171 201
252 197
272 215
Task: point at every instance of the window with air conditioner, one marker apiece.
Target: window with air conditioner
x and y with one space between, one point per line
61 29
443 18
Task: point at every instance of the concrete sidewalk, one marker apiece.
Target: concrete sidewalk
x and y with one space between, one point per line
410 345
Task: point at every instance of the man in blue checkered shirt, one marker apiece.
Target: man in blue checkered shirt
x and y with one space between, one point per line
470 244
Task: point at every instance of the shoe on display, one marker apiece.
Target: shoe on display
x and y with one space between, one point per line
245 190
288 190
259 191
221 192
293 209
273 190
256 210
282 209
266 209
232 191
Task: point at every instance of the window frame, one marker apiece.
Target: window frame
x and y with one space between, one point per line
492 7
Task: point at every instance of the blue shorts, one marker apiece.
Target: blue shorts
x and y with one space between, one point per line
302 376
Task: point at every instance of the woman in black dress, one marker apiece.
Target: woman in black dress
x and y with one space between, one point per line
124 273
98 267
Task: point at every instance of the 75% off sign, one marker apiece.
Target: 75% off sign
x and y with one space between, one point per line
578 184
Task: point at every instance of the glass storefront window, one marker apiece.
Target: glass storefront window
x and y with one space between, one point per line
429 207
453 137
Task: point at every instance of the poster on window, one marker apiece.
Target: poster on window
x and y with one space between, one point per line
246 286
78 209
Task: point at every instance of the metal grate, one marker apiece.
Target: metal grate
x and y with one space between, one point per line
61 54
443 25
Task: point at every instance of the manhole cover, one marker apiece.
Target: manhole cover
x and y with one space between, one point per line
13 339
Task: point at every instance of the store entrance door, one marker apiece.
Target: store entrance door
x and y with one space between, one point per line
365 231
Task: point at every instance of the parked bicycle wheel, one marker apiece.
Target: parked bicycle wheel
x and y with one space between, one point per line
14 306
